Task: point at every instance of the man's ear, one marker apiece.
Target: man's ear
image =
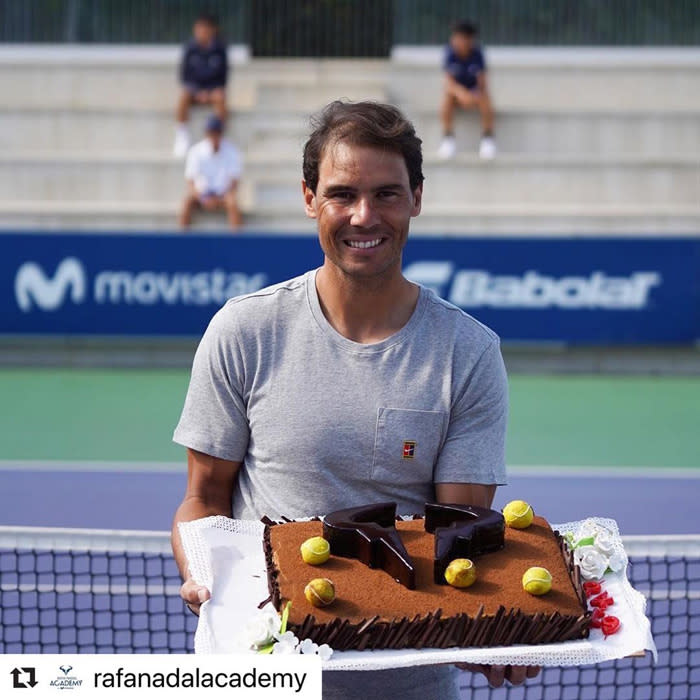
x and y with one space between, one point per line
309 200
417 200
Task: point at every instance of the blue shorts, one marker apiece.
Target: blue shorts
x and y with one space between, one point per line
194 88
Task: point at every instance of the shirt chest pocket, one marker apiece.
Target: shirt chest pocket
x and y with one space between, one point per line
406 444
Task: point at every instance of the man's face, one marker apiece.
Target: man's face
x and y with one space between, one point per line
363 204
461 44
203 33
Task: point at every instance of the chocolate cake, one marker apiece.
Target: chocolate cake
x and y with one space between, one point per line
374 610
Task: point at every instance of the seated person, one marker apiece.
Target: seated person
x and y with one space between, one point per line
203 75
466 87
212 171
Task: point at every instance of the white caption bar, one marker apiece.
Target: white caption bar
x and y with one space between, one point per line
129 676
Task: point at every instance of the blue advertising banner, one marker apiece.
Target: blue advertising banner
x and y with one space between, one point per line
576 291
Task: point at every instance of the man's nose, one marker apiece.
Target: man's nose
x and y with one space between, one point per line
363 213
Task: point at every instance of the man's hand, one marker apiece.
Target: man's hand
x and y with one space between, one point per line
209 492
498 675
194 595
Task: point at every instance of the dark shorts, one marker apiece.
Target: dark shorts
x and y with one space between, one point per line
474 89
207 194
194 88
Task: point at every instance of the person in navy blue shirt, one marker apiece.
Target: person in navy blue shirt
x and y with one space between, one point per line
466 87
203 76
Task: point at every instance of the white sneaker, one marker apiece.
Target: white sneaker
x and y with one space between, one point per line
448 148
182 142
487 148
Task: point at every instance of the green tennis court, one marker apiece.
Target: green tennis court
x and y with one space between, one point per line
129 415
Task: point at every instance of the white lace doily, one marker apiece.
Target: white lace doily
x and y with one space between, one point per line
227 556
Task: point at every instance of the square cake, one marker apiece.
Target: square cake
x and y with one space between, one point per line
372 610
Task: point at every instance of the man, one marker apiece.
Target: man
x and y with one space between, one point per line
203 75
466 87
212 172
302 394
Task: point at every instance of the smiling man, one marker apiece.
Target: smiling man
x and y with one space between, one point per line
304 395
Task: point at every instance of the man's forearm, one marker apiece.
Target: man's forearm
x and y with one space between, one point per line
470 494
190 509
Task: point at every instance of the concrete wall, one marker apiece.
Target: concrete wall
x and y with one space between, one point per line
591 140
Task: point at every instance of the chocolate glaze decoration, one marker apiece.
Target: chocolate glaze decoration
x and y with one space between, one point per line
368 533
462 531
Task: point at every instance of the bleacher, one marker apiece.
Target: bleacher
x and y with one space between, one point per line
591 141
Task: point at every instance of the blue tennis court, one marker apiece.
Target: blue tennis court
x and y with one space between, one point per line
144 496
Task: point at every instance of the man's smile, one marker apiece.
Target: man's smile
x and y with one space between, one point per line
364 244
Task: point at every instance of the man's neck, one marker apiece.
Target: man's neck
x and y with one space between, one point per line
365 310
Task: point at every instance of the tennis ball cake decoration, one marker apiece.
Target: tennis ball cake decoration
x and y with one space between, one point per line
537 581
320 592
460 573
315 551
518 514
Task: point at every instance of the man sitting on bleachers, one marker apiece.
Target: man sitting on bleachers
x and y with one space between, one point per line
203 75
212 171
466 87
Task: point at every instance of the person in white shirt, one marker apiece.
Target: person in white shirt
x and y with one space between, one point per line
212 170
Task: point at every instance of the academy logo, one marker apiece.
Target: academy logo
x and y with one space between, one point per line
66 681
34 288
533 290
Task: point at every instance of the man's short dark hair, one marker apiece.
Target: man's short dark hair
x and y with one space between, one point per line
362 124
208 18
464 27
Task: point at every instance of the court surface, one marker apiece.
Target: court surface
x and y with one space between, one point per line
91 448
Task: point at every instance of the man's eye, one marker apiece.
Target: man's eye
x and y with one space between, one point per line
387 194
342 196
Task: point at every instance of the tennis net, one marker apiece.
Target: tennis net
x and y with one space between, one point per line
96 591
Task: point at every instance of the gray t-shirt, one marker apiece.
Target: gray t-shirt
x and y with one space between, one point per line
321 422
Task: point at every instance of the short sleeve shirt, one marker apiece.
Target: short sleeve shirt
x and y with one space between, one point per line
465 70
204 67
213 172
321 422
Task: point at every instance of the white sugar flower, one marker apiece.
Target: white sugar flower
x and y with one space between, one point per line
308 646
591 562
604 543
588 528
616 562
288 638
325 652
263 629
287 644
591 528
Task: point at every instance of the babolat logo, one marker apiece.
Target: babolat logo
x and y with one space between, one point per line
33 288
532 290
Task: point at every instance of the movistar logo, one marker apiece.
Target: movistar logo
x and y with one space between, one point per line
533 290
144 287
33 287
